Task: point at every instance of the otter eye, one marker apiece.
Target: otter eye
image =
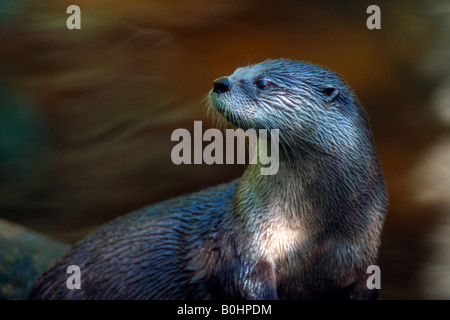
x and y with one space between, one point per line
262 84
331 92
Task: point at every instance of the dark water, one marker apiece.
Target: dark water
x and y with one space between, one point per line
86 115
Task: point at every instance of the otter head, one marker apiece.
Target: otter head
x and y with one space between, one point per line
312 107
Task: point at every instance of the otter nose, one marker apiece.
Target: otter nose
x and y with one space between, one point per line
221 85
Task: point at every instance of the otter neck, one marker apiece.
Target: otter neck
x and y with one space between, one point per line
307 193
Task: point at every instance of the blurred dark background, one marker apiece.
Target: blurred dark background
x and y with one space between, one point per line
86 115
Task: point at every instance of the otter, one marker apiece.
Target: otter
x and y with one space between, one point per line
308 232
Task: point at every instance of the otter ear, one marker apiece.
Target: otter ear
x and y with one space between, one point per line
330 92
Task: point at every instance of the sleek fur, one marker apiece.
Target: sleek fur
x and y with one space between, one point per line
308 232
